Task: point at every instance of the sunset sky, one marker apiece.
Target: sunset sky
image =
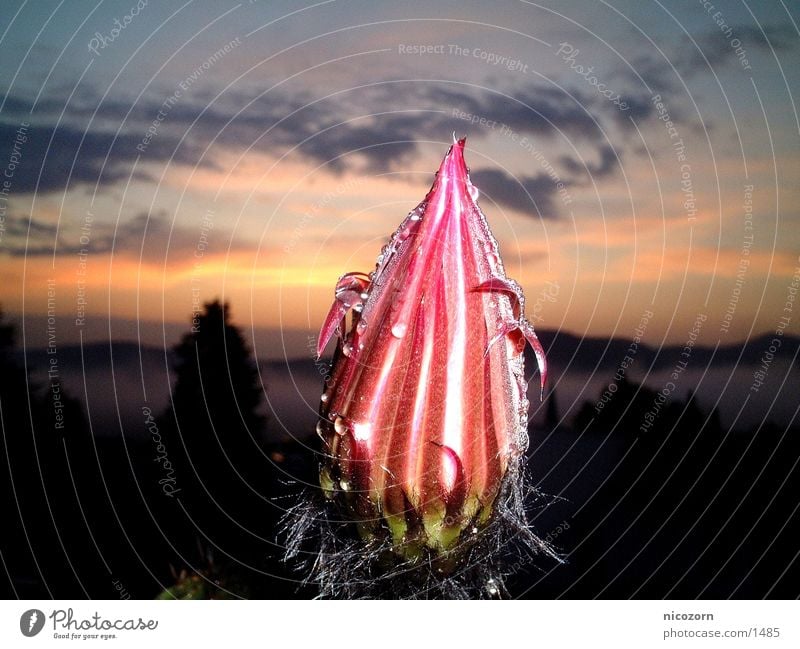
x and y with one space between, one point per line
256 151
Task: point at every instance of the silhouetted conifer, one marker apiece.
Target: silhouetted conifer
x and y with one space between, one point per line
213 432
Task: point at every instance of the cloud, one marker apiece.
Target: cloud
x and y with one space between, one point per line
151 236
540 194
527 194
530 109
715 45
779 37
55 158
17 226
366 131
606 166
379 128
662 73
376 145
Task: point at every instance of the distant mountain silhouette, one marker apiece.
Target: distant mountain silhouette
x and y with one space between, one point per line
295 384
562 349
589 353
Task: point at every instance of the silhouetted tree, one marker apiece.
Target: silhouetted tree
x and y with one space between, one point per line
620 409
217 382
213 432
37 503
15 429
214 417
688 508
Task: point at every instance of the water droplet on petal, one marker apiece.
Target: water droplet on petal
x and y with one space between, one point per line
399 329
361 327
324 398
347 349
364 296
344 485
340 426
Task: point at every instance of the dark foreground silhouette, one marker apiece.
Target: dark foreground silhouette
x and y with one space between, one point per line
190 505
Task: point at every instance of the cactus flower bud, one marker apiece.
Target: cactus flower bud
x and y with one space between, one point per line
425 407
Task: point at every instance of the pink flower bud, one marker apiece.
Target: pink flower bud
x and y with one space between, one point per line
425 407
